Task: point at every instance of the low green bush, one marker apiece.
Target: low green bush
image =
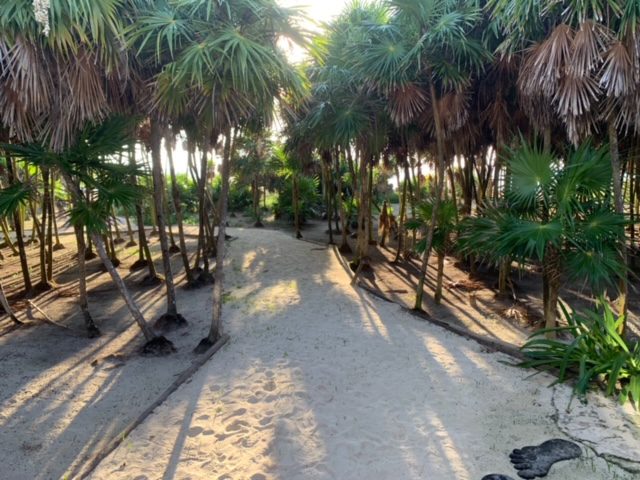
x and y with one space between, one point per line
595 354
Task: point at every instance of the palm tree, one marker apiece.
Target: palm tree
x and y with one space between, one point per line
446 224
171 318
287 162
557 211
421 52
226 67
18 194
581 66
91 162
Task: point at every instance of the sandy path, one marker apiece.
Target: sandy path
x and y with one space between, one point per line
319 381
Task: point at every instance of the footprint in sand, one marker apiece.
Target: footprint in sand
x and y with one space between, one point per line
195 431
203 417
237 413
270 386
236 426
258 476
265 421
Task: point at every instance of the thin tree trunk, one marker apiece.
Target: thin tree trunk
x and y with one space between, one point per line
344 243
4 303
131 242
50 222
551 288
44 284
619 208
58 245
158 187
177 205
215 332
436 201
133 308
326 167
296 206
401 218
92 329
17 225
440 276
7 236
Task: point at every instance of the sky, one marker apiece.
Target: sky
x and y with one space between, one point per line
316 11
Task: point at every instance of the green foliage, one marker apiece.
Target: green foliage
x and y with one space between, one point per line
595 353
309 203
13 197
93 163
553 202
446 223
239 195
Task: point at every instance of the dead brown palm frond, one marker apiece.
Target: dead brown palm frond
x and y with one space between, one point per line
589 44
623 110
498 115
406 102
576 95
617 75
24 86
454 110
545 62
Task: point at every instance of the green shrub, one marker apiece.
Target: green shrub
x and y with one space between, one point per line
239 195
595 354
310 200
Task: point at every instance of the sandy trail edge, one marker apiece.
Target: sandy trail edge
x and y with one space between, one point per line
322 381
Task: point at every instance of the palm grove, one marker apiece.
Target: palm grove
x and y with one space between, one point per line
511 126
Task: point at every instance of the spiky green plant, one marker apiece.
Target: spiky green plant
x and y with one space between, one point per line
559 212
595 354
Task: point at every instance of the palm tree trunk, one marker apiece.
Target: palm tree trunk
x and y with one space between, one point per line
17 225
131 242
344 243
551 288
401 218
440 276
328 181
215 332
370 208
44 284
436 201
383 224
92 329
296 206
58 245
7 236
158 187
173 248
411 197
144 250
133 308
619 208
4 303
177 205
118 238
50 222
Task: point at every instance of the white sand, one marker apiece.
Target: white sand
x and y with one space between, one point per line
320 381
